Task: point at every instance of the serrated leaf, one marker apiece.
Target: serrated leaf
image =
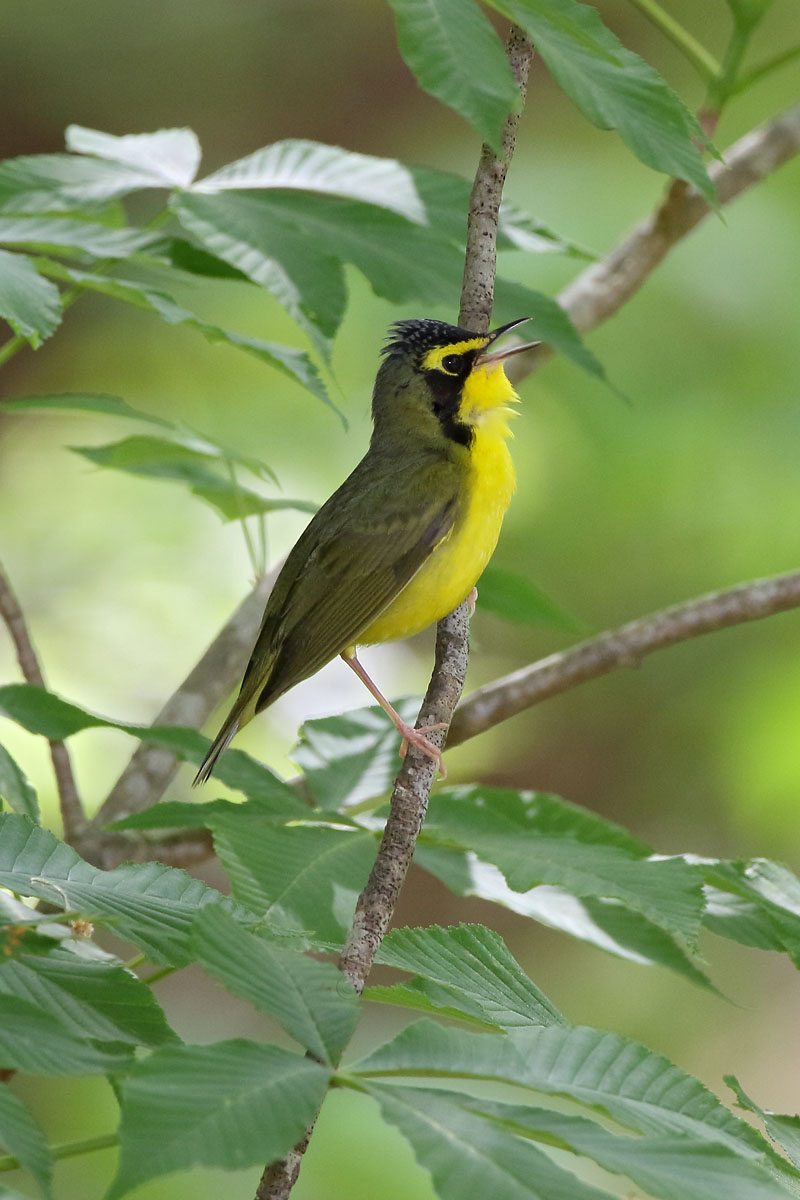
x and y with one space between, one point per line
423 996
35 1041
756 903
353 757
92 999
474 961
93 402
46 183
179 814
64 233
310 1000
603 1072
469 1159
39 711
782 1128
16 789
233 1104
549 323
302 165
514 597
682 1168
30 303
613 87
149 904
607 924
303 877
170 157
457 57
22 1137
554 843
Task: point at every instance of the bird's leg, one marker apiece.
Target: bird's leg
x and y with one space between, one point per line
472 600
409 734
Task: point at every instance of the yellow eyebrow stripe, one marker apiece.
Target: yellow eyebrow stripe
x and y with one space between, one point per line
433 359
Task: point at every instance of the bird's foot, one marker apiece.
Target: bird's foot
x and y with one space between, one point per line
416 737
472 600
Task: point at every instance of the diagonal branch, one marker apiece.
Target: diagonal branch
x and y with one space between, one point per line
72 813
623 647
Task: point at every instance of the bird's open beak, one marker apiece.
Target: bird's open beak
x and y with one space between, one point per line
495 335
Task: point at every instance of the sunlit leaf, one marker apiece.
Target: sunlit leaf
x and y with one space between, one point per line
612 86
231 1104
170 156
46 183
16 789
30 303
457 57
62 233
310 1000
22 1137
471 1159
302 165
756 903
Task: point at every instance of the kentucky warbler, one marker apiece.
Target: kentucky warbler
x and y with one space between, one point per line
402 542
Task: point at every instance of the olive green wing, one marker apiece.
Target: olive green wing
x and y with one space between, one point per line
353 566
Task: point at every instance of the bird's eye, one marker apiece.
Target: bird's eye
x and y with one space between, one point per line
451 363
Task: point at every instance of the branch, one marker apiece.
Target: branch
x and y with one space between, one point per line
623 647
412 787
72 814
601 290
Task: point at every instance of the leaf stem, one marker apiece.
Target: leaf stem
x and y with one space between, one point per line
701 59
722 86
104 1141
766 68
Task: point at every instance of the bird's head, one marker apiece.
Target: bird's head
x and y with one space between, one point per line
439 379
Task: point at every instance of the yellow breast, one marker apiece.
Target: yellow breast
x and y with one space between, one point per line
457 562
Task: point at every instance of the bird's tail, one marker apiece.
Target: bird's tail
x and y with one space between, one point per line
221 742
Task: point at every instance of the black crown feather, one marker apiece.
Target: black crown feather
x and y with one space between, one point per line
423 334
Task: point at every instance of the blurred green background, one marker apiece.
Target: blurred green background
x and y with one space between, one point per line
622 508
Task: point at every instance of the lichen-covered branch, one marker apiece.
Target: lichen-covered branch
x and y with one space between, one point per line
72 813
623 647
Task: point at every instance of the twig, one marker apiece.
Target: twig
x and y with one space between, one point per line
601 290
623 647
412 787
72 814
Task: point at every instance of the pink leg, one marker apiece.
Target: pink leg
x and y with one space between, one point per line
472 600
415 736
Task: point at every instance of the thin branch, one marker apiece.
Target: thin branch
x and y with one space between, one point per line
409 801
72 814
623 647
601 290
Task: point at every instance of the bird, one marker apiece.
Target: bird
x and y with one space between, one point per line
406 537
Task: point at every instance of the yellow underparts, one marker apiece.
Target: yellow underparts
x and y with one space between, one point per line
455 565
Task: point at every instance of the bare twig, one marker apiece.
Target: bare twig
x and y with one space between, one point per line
601 290
623 647
72 813
412 787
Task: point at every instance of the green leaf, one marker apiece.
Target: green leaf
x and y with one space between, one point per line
514 597
22 1137
540 839
468 1158
16 789
756 903
30 304
303 877
472 960
293 363
353 757
613 88
96 999
748 13
607 924
783 1129
233 1104
93 402
38 1042
47 183
149 904
549 323
681 1168
67 234
603 1072
423 996
456 56
169 157
310 1000
302 165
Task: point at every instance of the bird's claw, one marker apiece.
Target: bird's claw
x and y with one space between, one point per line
416 737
